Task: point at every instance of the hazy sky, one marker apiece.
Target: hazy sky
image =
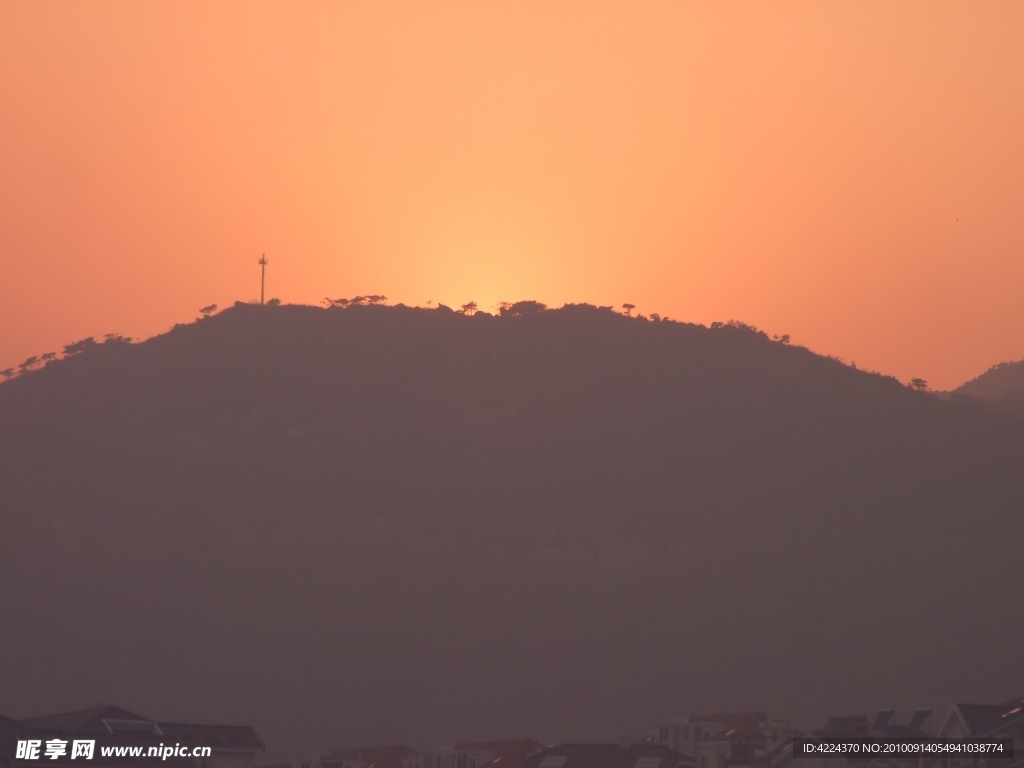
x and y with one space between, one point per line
849 173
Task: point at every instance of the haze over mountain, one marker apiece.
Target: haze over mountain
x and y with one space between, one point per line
389 524
1002 384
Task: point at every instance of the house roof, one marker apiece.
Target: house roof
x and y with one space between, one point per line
377 757
609 756
768 758
222 736
844 725
507 754
499 747
739 732
857 725
921 716
903 733
732 718
82 719
985 718
107 719
737 726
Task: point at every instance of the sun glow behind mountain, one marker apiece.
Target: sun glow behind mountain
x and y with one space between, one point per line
849 174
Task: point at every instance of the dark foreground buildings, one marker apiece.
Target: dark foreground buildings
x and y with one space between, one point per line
111 736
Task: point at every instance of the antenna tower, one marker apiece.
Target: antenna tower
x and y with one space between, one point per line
263 275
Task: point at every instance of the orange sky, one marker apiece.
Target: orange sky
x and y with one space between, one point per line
849 173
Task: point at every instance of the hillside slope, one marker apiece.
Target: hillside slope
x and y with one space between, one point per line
1002 385
386 524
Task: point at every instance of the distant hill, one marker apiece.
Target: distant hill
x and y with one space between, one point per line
374 525
1002 384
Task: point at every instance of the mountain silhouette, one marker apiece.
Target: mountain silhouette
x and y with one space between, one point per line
375 524
1001 385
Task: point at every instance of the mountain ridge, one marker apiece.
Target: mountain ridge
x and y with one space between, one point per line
1001 385
399 524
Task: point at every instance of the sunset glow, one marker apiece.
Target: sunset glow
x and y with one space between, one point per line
851 174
